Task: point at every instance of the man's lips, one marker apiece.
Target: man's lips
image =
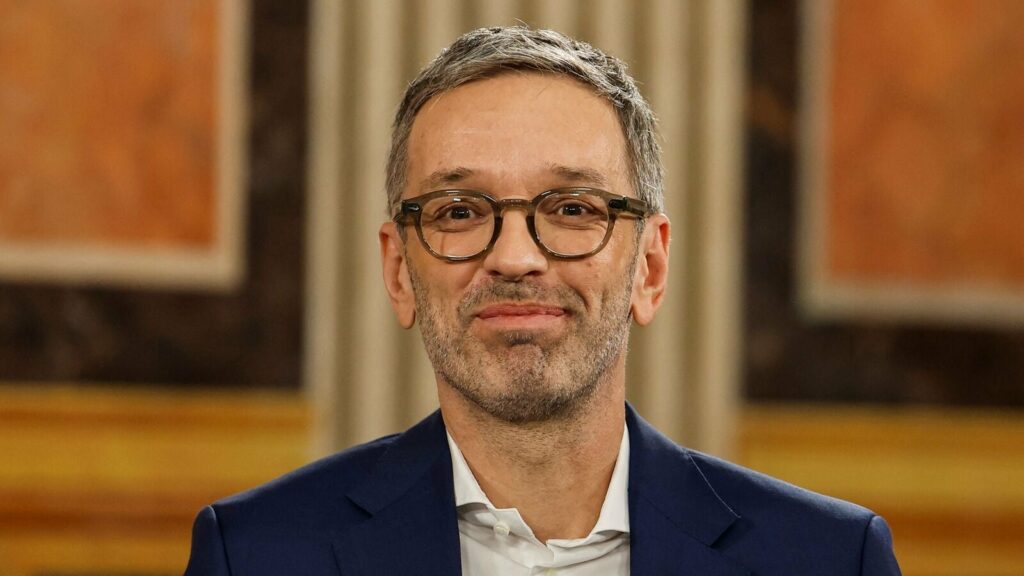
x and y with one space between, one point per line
519 310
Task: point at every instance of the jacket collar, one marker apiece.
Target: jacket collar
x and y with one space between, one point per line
675 515
412 528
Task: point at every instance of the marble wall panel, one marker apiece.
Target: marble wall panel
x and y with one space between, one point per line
926 143
109 122
912 133
790 356
124 142
248 336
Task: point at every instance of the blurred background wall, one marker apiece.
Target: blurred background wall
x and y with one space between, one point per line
882 335
190 300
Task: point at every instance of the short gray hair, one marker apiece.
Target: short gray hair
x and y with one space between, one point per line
489 52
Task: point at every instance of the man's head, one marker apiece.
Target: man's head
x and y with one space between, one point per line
519 331
490 52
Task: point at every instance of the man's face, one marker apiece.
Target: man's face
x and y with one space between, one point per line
525 337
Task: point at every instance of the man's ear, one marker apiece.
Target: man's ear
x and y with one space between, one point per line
651 275
396 274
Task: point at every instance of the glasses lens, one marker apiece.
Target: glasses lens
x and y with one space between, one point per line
457 225
572 222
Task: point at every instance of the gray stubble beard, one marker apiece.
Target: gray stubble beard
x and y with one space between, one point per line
543 383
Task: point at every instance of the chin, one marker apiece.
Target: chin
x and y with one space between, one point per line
519 338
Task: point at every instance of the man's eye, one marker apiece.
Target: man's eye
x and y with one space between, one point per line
572 209
458 212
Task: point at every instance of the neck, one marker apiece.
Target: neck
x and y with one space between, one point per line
555 473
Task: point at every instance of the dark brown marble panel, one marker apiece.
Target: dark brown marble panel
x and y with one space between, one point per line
787 356
251 337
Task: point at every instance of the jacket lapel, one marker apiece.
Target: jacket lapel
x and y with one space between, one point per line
675 516
412 526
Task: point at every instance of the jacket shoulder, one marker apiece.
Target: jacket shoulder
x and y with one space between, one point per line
784 526
292 525
755 493
310 496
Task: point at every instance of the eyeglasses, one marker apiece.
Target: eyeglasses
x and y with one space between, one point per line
565 223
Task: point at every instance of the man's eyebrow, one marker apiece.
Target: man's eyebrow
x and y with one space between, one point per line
580 175
445 177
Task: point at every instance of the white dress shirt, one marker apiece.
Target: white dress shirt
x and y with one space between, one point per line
497 542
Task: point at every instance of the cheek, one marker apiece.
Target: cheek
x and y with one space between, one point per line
458 280
603 276
442 281
458 276
590 278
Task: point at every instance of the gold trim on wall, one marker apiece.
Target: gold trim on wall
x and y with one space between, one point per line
950 482
108 479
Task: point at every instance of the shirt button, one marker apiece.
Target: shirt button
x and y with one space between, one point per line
501 529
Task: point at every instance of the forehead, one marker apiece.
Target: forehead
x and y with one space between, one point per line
521 129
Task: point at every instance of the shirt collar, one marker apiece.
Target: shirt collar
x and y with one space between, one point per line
614 516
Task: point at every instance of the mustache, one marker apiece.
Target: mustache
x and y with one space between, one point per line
505 291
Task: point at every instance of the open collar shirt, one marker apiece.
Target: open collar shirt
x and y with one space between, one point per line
497 542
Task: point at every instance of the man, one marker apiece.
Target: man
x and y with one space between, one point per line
524 182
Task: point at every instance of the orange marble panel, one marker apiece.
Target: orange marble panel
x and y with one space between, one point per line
926 149
108 117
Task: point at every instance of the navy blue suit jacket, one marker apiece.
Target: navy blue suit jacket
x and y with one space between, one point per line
388 508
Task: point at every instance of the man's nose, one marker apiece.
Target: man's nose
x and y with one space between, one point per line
515 254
